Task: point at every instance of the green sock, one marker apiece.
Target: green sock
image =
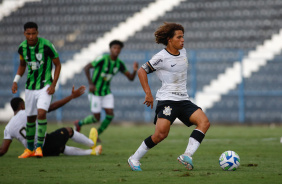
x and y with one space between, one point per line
105 123
42 127
87 120
30 133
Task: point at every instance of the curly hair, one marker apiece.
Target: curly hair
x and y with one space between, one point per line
167 31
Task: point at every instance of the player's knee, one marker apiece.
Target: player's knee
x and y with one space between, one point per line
161 136
41 114
70 131
97 116
111 113
204 124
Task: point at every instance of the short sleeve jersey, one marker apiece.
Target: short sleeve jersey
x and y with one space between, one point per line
39 62
172 71
104 70
16 128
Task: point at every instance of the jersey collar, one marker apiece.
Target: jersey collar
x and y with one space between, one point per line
171 53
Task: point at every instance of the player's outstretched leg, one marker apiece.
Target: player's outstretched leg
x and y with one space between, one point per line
186 161
134 164
87 120
105 123
196 138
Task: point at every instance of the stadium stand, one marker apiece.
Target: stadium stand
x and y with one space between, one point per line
70 25
216 33
262 101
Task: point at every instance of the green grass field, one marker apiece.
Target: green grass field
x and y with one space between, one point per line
259 149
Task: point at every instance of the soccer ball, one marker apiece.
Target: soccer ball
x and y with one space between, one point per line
229 161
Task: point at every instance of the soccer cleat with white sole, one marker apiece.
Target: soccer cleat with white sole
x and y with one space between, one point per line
134 164
97 150
186 161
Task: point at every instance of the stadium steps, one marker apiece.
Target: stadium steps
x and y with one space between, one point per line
232 76
263 100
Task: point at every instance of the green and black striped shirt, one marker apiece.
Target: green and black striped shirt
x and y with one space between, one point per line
39 62
104 70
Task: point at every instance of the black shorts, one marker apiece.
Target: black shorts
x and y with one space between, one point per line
55 142
171 110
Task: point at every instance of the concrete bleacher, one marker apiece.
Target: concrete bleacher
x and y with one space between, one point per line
215 33
70 25
262 100
219 24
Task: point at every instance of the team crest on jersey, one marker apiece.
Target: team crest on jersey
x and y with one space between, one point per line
38 56
167 111
115 69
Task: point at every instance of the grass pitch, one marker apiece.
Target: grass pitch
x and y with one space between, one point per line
259 149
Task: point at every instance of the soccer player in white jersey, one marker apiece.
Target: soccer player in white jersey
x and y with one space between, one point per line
55 142
170 65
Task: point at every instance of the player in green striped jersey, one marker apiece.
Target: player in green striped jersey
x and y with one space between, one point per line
100 96
38 54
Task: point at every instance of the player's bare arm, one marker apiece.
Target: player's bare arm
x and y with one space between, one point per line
87 68
149 99
5 146
20 72
131 76
57 63
74 94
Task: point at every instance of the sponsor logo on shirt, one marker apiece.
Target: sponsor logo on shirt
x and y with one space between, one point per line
34 65
179 94
157 62
106 77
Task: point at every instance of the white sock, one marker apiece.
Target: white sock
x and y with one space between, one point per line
76 151
192 146
141 151
82 139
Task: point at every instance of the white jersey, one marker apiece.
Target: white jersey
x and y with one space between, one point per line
172 71
16 128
